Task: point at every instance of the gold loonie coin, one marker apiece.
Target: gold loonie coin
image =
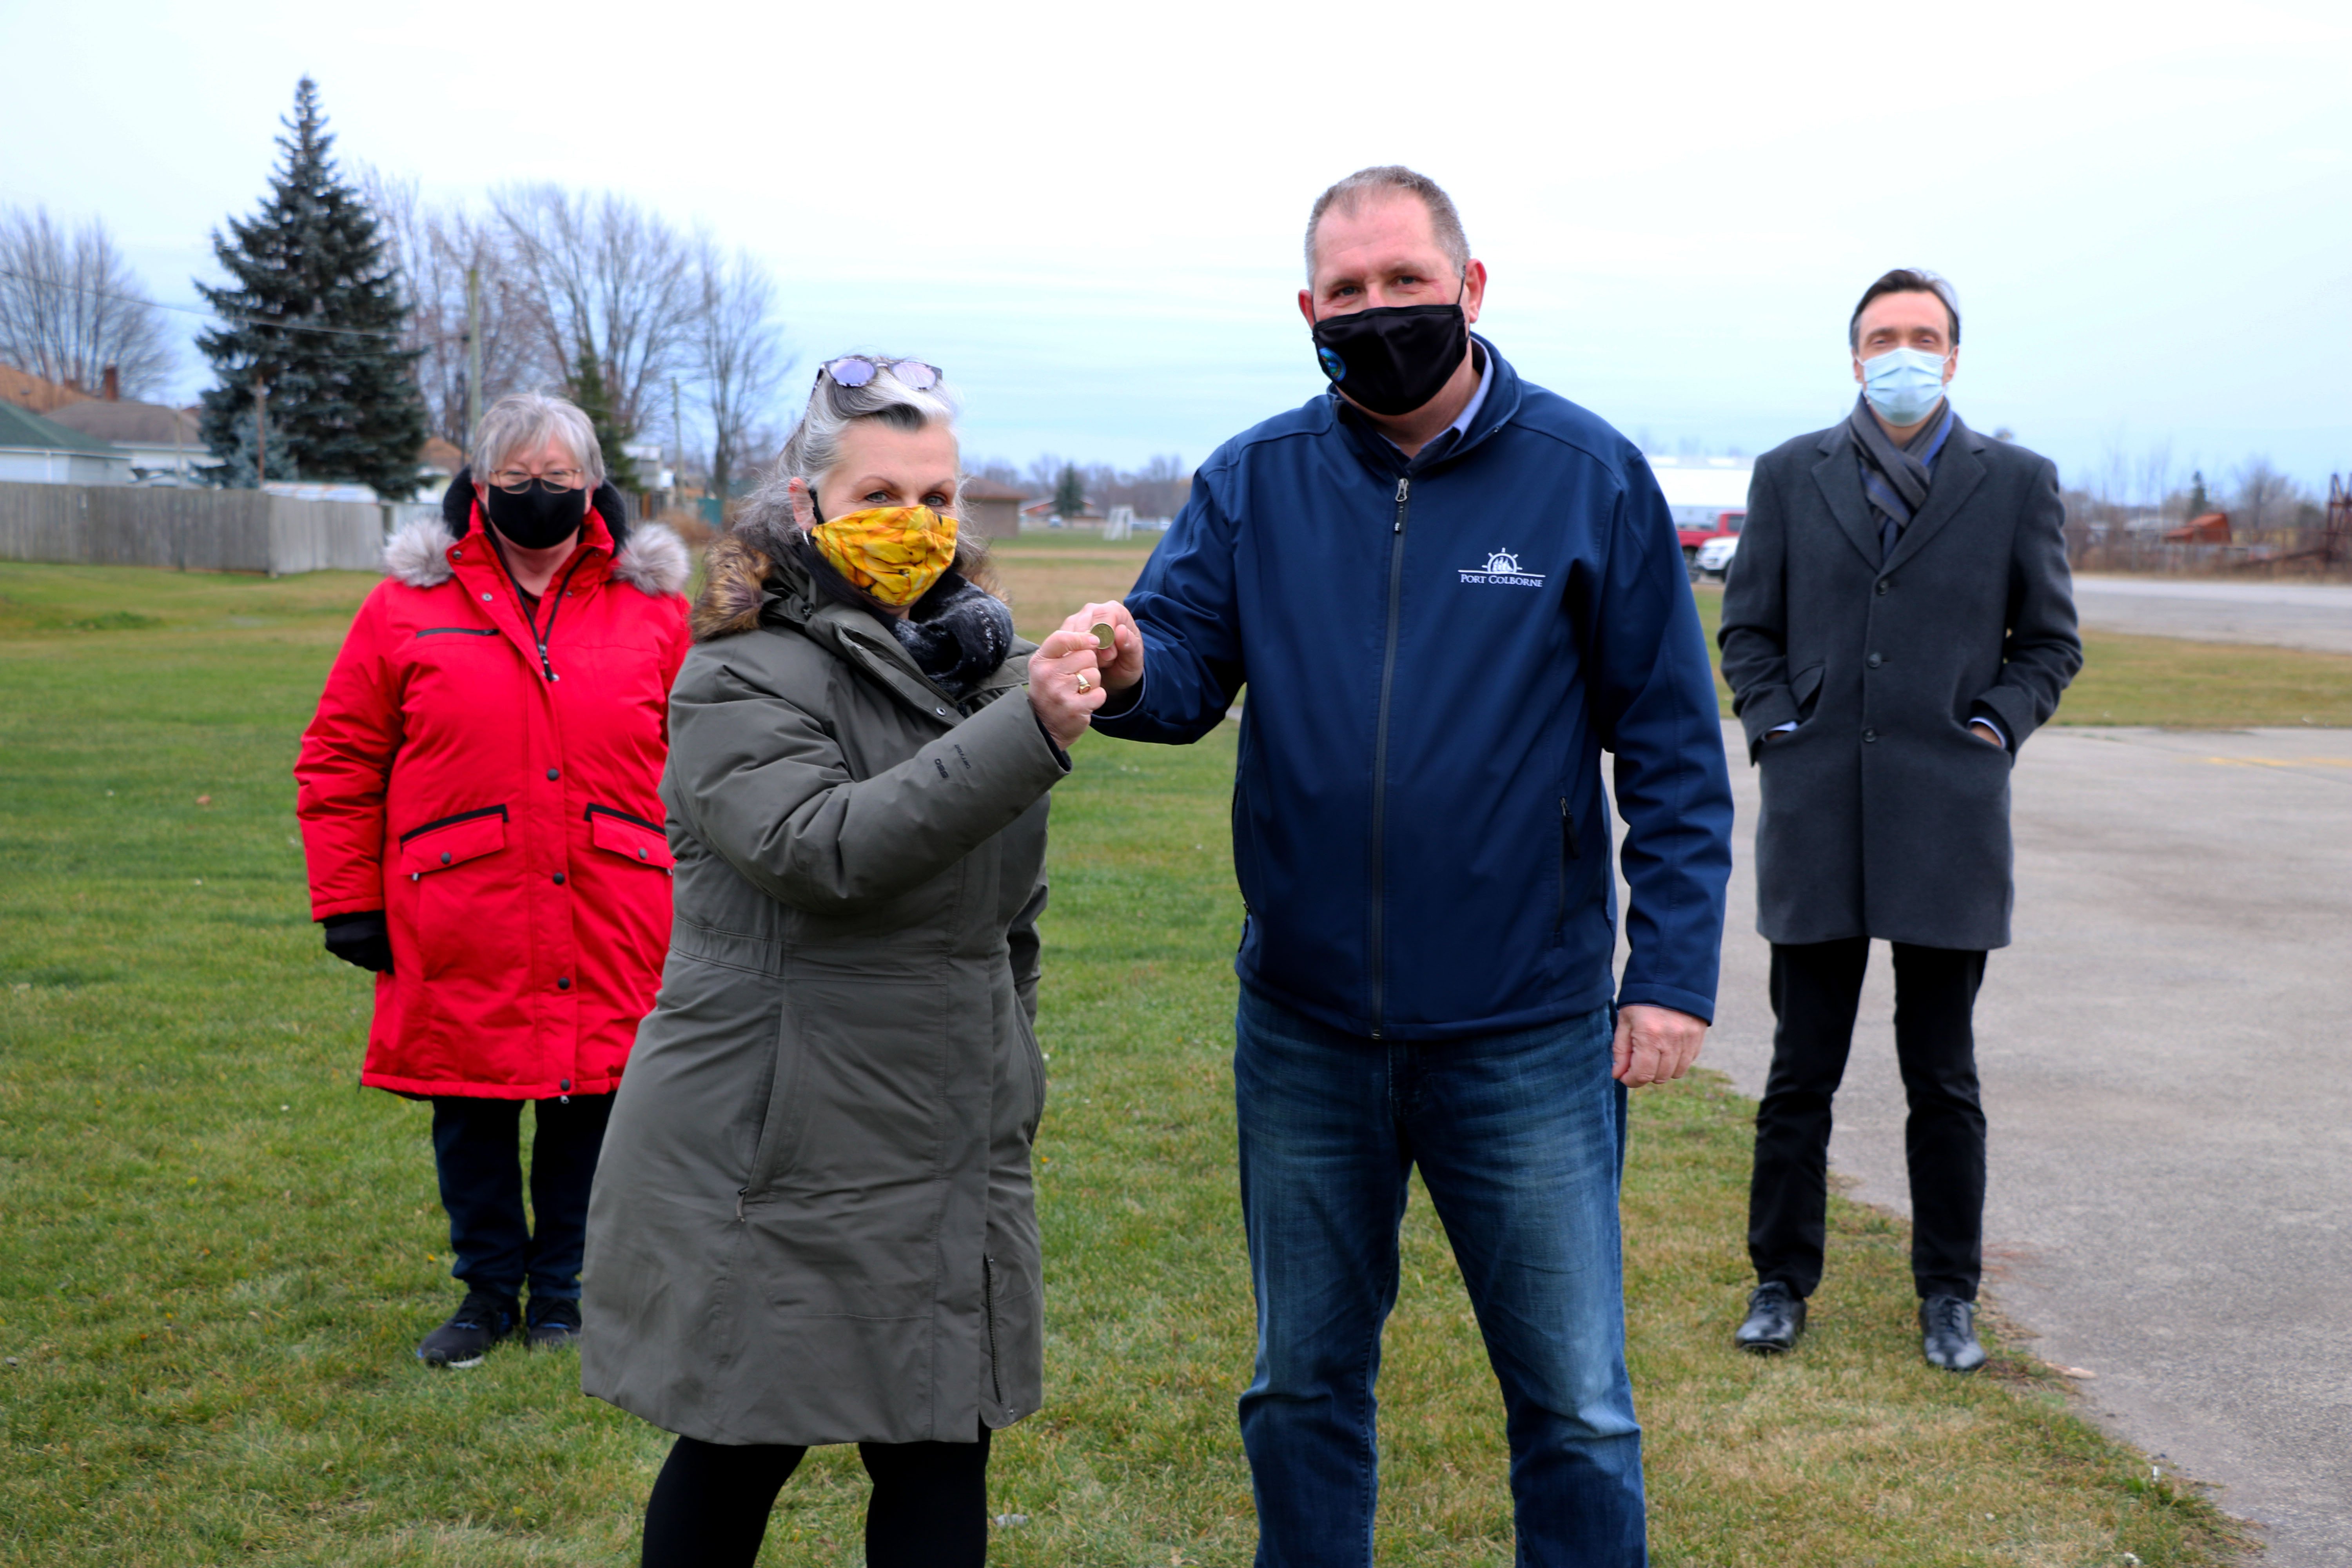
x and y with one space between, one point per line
1102 634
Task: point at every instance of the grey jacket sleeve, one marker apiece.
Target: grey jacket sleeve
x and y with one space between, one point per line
767 788
2042 650
1754 635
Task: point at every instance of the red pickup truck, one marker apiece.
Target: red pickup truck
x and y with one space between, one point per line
1694 532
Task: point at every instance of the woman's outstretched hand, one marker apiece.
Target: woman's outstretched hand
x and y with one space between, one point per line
1063 664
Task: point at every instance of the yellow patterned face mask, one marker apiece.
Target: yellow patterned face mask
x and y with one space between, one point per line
893 552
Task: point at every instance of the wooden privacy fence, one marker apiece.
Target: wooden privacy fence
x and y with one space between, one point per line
193 530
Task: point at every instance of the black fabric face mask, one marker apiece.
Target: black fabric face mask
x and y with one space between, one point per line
1392 359
538 517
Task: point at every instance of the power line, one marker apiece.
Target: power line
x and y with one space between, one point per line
192 311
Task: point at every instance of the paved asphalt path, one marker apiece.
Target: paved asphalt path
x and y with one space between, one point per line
2167 1056
2290 615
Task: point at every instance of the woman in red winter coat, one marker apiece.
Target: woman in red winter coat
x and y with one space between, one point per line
478 806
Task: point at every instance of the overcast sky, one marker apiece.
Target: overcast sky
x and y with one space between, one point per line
1090 215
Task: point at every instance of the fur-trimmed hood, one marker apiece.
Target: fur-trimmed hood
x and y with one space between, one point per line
648 557
743 571
737 572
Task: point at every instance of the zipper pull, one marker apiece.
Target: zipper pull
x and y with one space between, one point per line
1404 487
740 1193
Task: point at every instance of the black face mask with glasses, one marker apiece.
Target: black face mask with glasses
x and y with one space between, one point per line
538 513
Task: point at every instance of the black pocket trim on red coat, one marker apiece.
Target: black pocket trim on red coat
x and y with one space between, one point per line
456 631
593 812
499 811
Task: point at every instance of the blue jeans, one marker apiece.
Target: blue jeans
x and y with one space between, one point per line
477 1153
1520 1141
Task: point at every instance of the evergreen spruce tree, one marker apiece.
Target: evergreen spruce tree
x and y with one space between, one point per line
342 404
587 389
1069 494
2199 503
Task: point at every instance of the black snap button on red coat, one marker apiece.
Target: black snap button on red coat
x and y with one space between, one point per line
445 856
558 879
552 773
565 983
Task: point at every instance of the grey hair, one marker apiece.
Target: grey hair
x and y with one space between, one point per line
523 422
814 449
1349 195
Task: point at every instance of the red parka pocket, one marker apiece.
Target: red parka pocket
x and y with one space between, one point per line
470 931
452 841
630 837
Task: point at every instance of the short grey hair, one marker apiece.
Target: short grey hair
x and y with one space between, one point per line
814 449
523 422
1394 179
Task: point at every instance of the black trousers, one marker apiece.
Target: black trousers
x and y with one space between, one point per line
477 1152
1816 989
710 1504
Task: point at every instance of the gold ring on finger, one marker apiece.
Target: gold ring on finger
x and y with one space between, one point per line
1086 683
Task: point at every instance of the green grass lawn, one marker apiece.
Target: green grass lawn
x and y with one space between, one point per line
216 1252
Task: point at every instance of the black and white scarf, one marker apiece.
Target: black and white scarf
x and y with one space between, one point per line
957 634
1895 479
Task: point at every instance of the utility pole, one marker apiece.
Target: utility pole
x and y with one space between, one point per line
473 349
677 433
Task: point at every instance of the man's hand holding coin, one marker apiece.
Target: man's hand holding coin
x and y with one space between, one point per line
1116 641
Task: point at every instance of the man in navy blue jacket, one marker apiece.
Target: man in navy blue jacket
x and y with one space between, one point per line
1447 592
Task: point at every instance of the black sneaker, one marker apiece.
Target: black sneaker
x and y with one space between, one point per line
1947 1333
554 1326
481 1321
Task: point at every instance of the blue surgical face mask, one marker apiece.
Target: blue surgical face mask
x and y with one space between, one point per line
1903 385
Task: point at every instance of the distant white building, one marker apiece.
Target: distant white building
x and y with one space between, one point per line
34 450
1699 491
162 443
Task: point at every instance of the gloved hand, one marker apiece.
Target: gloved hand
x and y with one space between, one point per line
360 939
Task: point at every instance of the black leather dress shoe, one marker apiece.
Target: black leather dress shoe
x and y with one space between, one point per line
1776 1316
1947 1327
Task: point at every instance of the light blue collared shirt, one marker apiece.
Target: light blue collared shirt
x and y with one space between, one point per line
1461 426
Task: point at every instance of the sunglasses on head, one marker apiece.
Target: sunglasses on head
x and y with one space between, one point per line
856 370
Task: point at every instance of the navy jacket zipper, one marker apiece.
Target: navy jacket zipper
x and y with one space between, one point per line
1380 749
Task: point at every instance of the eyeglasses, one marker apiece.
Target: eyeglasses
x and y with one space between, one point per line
856 370
515 482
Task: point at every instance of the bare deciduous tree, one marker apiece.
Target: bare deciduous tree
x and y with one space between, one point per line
2266 497
740 360
434 247
601 276
70 307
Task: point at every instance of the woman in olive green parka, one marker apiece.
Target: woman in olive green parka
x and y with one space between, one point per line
813 1222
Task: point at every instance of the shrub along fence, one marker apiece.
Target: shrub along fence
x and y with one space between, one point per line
193 529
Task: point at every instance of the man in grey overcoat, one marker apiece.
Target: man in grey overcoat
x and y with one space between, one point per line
1897 623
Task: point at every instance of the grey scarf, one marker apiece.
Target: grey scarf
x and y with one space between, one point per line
1895 479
